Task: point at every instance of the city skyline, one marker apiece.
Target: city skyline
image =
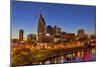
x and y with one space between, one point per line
69 18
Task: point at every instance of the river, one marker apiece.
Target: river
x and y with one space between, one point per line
81 56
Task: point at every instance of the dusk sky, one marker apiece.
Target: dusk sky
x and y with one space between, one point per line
69 18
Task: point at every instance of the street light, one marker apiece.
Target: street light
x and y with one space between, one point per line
47 34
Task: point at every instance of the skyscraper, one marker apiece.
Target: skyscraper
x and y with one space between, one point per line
31 39
49 30
41 30
57 30
21 34
49 34
56 34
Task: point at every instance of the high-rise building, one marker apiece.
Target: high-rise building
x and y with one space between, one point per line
49 30
56 31
31 38
41 30
81 33
21 34
56 34
49 34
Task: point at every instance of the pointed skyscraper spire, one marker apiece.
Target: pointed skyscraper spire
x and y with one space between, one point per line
41 15
40 10
41 28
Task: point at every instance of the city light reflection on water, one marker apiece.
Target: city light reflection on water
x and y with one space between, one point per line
81 56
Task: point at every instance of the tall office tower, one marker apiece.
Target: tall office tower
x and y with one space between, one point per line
21 34
49 34
41 30
49 30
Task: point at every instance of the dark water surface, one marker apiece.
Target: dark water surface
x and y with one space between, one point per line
81 56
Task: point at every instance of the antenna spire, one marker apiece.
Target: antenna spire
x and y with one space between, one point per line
40 10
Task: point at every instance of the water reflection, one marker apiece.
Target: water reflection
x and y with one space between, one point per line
89 55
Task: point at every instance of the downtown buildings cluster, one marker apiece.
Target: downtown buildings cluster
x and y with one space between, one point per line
50 43
48 34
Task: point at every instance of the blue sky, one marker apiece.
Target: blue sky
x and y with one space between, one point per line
70 18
